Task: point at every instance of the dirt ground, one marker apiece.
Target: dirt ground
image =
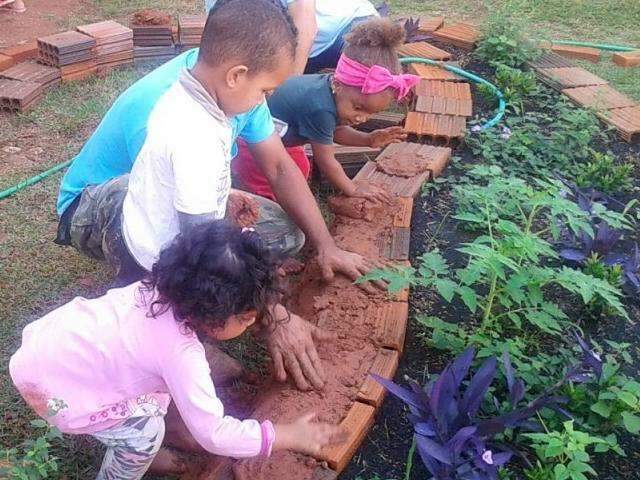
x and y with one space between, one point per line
43 17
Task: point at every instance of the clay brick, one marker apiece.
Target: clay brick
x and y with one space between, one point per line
6 62
400 239
190 28
462 35
80 75
581 53
66 42
77 67
17 96
116 47
423 50
390 321
429 24
107 32
625 120
446 98
31 71
381 120
436 158
357 424
569 77
601 97
550 60
627 59
430 72
402 218
438 127
23 52
385 364
157 51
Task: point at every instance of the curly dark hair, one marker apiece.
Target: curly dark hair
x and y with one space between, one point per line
214 271
253 32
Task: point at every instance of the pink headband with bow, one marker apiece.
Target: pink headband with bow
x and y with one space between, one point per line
373 79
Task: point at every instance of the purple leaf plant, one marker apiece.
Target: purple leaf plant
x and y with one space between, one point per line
412 31
454 437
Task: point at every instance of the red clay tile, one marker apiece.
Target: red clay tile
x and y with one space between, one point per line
31 71
399 186
463 35
429 24
356 424
430 72
6 62
549 59
385 364
402 218
66 48
627 59
390 321
626 120
107 32
449 98
423 50
569 77
582 53
438 127
602 97
23 52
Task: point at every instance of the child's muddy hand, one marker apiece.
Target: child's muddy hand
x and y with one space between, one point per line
385 136
306 436
372 192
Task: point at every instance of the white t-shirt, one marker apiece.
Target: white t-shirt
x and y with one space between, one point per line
183 166
332 16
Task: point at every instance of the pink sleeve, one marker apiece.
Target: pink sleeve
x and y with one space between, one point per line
187 376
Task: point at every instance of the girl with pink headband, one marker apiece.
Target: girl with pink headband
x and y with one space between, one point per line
322 109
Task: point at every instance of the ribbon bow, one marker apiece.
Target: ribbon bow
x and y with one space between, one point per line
373 79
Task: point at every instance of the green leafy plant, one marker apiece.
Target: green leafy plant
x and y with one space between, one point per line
503 41
603 174
612 274
568 451
31 460
515 84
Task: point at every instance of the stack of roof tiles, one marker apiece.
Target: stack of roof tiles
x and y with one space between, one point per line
114 43
190 28
462 35
153 37
73 52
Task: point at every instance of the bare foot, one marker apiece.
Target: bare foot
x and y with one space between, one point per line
167 462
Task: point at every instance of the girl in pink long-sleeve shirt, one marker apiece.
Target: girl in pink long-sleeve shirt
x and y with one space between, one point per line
109 367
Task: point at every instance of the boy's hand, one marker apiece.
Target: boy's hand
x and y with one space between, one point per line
371 192
306 436
292 348
385 136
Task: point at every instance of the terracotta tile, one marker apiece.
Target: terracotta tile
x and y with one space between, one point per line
156 51
602 97
627 59
106 32
582 53
568 77
402 218
66 42
400 242
77 67
381 120
385 364
445 127
390 321
430 72
463 35
190 28
357 424
444 106
80 74
423 50
17 96
550 60
6 62
626 120
31 71
110 48
429 24
23 52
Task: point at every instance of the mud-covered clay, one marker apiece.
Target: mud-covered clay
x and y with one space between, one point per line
402 165
354 207
242 210
150 17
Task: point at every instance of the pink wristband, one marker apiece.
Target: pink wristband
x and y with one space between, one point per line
268 437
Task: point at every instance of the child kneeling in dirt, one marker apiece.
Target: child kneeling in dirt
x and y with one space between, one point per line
109 367
321 109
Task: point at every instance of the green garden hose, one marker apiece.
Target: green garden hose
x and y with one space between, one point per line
474 78
458 71
30 181
599 46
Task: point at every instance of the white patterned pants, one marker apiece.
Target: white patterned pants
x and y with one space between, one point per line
131 446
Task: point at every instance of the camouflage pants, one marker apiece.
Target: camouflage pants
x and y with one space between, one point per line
96 228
